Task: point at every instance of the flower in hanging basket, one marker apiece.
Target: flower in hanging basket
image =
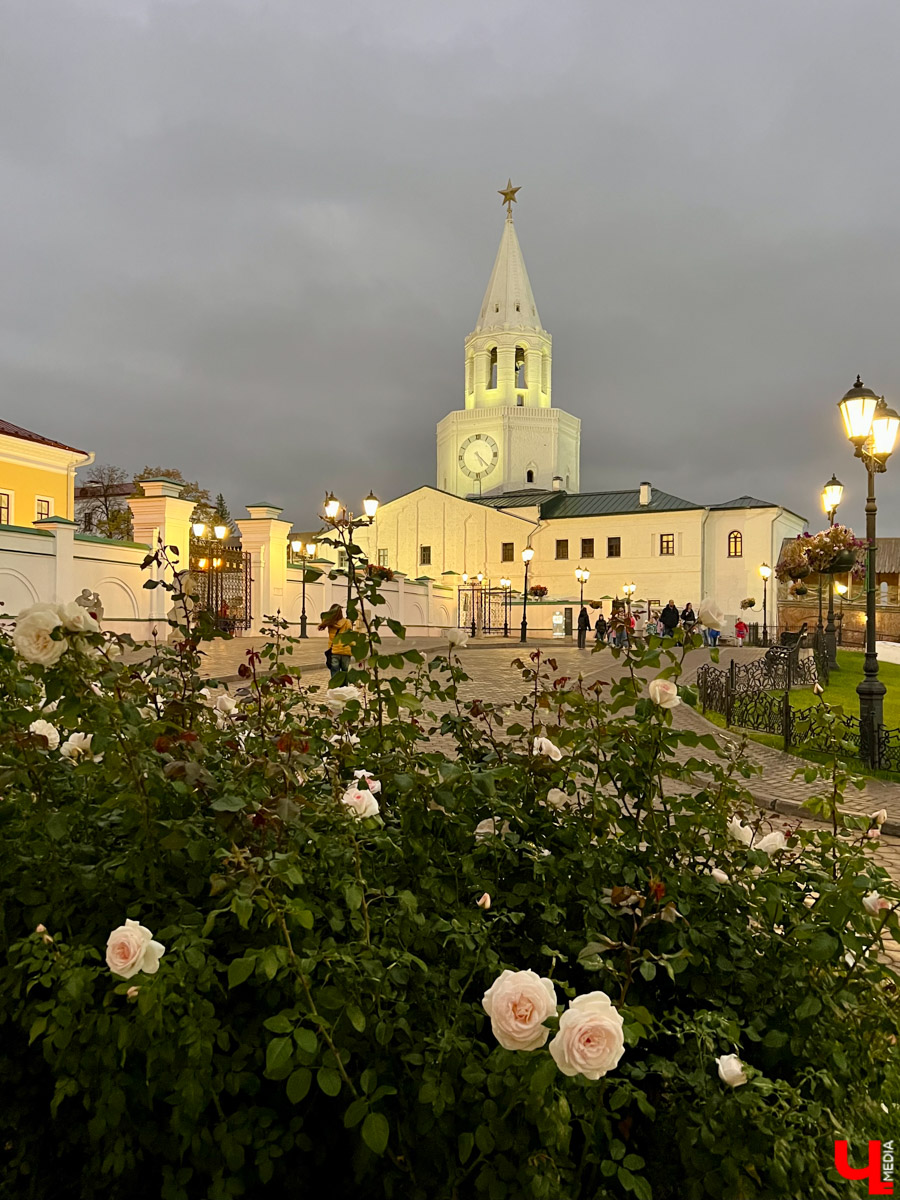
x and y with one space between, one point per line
793 562
750 602
832 550
538 591
799 589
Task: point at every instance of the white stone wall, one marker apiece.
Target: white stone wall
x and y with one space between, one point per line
545 440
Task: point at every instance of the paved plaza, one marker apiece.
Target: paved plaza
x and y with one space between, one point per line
492 678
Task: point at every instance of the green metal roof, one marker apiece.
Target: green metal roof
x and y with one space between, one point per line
526 498
605 504
745 502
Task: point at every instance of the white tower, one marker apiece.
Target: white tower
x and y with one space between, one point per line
508 437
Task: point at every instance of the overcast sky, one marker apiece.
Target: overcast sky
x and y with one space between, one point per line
247 238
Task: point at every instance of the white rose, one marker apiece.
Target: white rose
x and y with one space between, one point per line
130 949
518 1002
731 1070
772 842
360 802
663 693
879 817
78 746
225 705
545 747
336 698
77 619
719 876
874 904
710 615
344 739
557 798
45 729
740 833
484 902
456 637
366 780
489 827
32 636
590 1041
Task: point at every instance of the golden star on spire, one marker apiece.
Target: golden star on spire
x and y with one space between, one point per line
509 196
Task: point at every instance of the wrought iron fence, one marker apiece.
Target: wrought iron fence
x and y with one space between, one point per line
484 609
757 696
222 582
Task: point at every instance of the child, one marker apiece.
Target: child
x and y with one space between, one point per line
740 631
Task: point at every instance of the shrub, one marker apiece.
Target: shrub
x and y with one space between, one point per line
317 1011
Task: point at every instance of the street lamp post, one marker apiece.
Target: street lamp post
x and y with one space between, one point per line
831 498
506 584
629 590
765 574
304 551
841 589
582 575
344 522
527 556
872 427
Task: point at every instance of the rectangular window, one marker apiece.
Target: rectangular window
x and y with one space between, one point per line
562 548
508 552
614 547
382 558
342 560
667 543
5 507
587 547
425 556
42 509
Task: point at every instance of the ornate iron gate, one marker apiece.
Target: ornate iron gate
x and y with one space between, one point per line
484 610
220 578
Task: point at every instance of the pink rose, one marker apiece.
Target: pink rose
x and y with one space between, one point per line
518 1002
590 1041
663 693
874 904
131 948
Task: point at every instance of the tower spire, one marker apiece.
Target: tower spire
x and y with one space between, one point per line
509 301
509 197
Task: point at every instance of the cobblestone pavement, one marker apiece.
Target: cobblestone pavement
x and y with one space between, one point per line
492 678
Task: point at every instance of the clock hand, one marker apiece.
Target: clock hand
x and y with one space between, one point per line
480 459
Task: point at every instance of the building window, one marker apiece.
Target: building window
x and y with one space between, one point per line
667 543
520 365
529 476
87 522
42 509
614 547
382 558
562 548
508 552
735 544
342 560
424 556
492 370
5 507
587 547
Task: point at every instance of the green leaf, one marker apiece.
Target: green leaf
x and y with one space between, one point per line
278 1054
484 1139
808 1007
648 970
822 946
375 1132
298 1084
279 1024
353 896
355 1112
240 969
328 1080
357 1018
306 1040
465 1142
227 804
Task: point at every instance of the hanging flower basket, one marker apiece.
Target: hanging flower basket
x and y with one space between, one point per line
799 573
800 589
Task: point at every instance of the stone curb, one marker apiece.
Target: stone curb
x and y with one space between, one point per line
793 808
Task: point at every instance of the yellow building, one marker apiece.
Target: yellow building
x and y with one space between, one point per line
37 476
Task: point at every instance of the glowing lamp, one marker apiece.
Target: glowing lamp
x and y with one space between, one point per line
296 545
199 529
765 572
221 532
370 504
332 506
832 493
527 554
857 410
885 426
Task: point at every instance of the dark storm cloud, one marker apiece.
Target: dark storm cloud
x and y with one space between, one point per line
248 237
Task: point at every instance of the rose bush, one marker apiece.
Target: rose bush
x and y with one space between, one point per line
326 1005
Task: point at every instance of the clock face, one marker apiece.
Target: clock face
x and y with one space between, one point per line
478 456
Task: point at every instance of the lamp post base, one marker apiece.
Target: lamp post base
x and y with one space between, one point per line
303 632
524 633
871 719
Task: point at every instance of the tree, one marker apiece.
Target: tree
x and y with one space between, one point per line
222 512
102 506
203 506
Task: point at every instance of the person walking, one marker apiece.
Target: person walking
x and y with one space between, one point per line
670 618
688 617
741 630
584 624
337 656
600 628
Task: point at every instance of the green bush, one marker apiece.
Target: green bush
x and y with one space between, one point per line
316 1016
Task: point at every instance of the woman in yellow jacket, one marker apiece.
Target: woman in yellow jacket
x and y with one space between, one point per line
337 656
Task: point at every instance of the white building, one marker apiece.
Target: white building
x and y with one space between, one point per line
508 476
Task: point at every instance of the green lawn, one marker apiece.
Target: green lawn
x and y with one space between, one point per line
842 687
